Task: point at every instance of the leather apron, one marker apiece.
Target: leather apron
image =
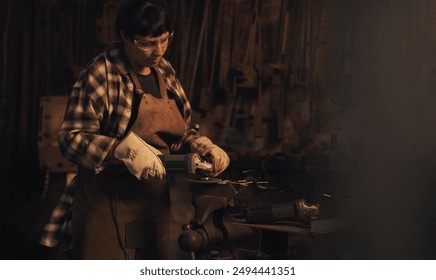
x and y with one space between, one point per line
115 216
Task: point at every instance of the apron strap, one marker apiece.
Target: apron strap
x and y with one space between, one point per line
161 82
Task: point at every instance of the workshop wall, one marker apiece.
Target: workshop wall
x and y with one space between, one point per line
331 99
255 72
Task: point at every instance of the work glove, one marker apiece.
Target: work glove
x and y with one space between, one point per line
140 158
219 158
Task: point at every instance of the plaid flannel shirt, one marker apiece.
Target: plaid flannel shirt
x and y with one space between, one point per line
98 112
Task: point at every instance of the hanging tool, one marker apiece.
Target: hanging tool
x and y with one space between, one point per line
226 43
285 124
247 74
184 45
198 52
207 92
259 108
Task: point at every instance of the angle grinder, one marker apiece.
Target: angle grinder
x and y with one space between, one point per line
192 164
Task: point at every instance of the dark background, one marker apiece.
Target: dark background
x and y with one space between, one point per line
340 100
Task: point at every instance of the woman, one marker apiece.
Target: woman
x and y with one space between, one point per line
125 110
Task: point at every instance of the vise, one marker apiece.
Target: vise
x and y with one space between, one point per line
212 228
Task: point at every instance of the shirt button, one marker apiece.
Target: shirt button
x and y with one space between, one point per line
130 87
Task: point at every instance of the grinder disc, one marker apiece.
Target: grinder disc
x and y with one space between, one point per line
204 180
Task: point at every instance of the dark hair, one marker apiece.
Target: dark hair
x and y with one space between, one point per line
143 17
